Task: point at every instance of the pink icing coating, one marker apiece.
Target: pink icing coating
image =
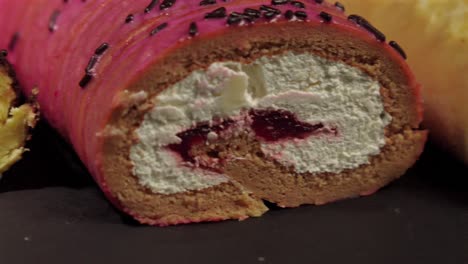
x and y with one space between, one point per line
54 62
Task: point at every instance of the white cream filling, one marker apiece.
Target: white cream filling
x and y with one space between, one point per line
315 89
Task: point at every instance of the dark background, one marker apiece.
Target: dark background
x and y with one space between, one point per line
52 212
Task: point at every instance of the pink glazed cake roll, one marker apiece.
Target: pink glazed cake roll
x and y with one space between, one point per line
190 111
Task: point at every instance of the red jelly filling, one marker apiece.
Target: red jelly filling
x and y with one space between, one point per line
270 125
195 136
274 125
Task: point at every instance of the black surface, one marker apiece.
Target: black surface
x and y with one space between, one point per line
51 212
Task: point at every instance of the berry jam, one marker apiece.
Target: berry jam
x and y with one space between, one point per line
269 125
274 125
195 136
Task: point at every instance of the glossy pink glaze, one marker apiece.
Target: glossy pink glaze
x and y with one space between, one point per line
55 62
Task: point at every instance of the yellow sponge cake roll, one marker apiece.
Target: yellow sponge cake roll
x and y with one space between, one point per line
434 34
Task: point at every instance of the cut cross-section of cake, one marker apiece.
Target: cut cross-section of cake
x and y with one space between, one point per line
198 111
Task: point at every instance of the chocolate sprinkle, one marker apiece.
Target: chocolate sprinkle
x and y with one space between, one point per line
368 26
340 6
13 41
319 1
207 2
270 15
3 53
167 4
237 14
159 28
92 63
301 15
270 9
298 4
325 16
193 29
398 48
151 5
99 51
234 18
289 14
86 80
279 2
53 21
357 19
129 18
217 13
252 13
248 18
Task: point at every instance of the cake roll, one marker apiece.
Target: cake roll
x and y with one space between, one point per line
191 111
16 120
443 24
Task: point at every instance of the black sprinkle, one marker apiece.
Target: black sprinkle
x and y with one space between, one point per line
340 6
86 80
289 14
319 1
298 4
167 4
270 15
3 53
193 29
65 1
234 18
129 18
301 15
398 48
325 16
207 2
368 26
53 21
377 33
279 2
357 19
237 14
92 62
13 41
159 28
270 9
151 5
99 51
217 13
252 13
248 18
